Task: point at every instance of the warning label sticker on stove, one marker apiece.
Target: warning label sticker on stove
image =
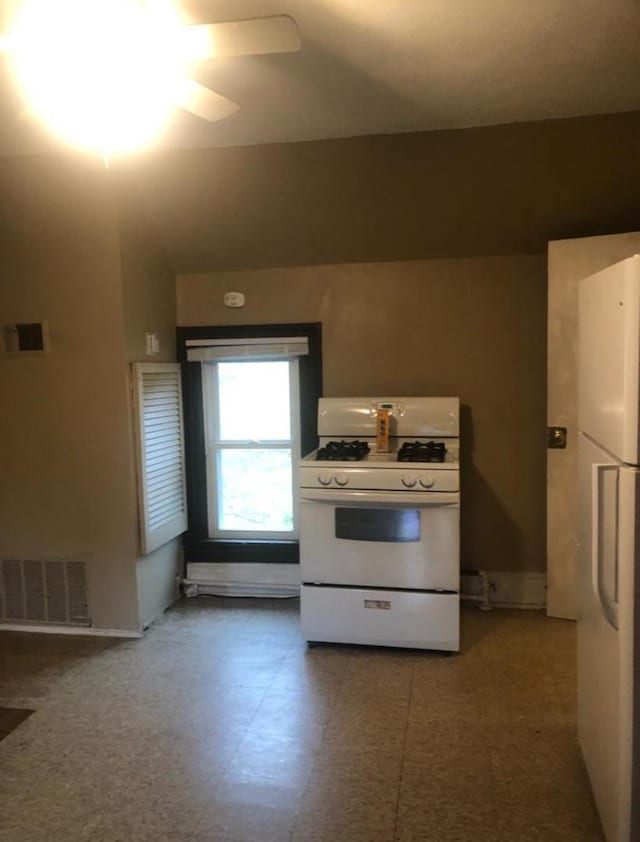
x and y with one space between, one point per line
377 603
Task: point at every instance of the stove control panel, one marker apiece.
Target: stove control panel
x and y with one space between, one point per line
341 478
393 477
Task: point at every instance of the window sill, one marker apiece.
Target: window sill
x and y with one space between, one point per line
240 550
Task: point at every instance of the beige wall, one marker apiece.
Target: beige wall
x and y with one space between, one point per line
74 253
149 301
569 261
148 281
157 584
464 193
65 487
469 327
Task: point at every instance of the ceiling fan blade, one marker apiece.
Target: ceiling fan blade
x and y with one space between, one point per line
251 37
205 103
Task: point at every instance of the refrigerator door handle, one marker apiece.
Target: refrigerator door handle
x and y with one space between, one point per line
607 603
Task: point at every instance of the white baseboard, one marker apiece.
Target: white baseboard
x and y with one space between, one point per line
511 590
81 631
243 579
240 589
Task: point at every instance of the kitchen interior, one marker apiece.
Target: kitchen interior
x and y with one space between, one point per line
418 225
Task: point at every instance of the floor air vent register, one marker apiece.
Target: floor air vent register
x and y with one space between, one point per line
43 591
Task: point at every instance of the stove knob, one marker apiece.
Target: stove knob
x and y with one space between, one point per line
341 479
408 480
427 481
324 479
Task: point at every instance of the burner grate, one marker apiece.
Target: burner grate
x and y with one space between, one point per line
422 451
343 451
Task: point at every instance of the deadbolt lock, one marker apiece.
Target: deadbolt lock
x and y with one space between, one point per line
556 437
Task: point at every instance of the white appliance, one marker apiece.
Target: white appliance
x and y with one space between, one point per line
609 587
379 538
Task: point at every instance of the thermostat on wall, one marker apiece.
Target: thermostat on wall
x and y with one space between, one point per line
234 299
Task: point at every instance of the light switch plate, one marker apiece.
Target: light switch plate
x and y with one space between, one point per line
152 341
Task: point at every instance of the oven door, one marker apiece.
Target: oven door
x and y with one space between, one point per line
380 539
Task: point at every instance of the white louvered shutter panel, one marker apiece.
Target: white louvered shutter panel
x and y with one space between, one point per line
161 476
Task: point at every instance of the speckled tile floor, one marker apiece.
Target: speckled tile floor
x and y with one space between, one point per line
220 726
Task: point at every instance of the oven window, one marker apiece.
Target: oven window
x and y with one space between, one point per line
391 525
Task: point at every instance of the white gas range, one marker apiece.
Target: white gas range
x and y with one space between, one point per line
380 538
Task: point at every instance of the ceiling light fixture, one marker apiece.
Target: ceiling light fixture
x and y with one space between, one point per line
105 75
102 74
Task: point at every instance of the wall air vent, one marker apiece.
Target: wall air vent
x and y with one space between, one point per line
43 591
27 338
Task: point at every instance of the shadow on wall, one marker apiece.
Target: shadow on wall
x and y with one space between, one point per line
483 514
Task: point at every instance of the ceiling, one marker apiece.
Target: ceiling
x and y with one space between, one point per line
390 66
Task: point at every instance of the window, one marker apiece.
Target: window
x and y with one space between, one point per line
250 406
251 425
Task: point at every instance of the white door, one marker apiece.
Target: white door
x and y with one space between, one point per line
569 262
609 358
606 659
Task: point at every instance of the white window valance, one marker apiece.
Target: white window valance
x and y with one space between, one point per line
255 348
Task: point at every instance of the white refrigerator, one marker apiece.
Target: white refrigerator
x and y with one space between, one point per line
609 551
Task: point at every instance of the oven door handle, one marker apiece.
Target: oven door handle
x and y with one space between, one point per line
381 499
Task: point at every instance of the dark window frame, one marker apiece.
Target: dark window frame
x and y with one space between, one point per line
198 546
